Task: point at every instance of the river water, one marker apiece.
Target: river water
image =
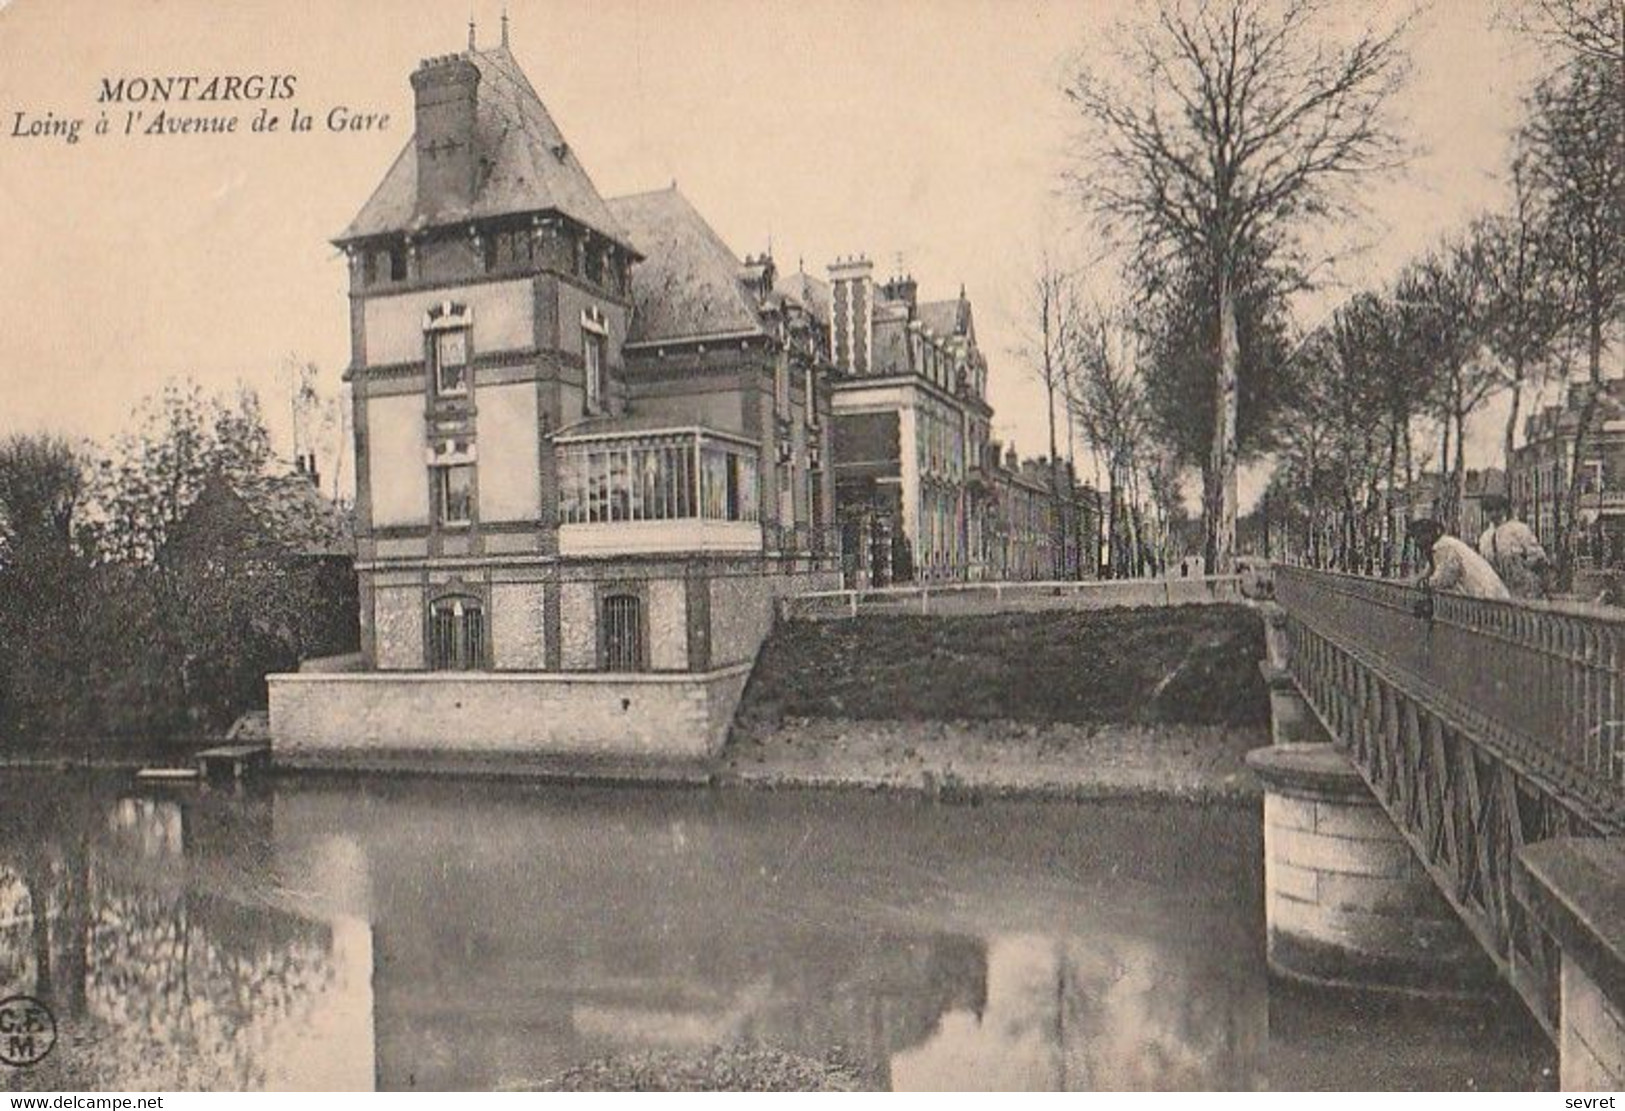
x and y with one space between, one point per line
461 934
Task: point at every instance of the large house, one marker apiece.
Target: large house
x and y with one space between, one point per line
911 427
594 446
589 440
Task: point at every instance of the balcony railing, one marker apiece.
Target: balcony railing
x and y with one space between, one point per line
673 490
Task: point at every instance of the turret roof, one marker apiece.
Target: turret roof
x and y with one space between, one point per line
526 164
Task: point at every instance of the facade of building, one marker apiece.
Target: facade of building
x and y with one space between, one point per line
1542 467
589 440
1024 531
923 493
592 441
575 418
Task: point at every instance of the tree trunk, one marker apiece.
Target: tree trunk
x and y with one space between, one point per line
1458 487
1221 499
1058 525
1075 529
1390 529
1512 429
1444 467
1571 502
1113 530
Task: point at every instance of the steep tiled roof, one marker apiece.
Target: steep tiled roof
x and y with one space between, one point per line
945 318
688 285
531 167
810 292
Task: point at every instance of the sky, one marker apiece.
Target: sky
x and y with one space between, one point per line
928 135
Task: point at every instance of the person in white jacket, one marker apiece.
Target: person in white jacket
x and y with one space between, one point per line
1453 565
1513 550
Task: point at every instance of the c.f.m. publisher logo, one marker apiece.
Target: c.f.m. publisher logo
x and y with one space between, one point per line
27 1031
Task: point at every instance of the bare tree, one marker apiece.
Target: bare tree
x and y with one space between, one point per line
1239 126
1591 29
1523 307
1109 404
1049 351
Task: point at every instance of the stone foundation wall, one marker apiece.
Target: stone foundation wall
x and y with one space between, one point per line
733 605
742 609
641 717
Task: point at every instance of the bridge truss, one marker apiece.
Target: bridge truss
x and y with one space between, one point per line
1479 726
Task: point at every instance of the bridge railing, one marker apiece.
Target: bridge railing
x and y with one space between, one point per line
1543 683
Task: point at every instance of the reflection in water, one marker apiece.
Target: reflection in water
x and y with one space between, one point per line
164 964
1109 1013
448 935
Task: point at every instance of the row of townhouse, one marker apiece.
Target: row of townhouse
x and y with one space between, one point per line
1543 465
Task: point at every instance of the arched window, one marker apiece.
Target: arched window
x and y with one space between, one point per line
621 625
457 634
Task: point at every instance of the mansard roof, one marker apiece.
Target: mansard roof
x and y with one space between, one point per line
527 166
687 287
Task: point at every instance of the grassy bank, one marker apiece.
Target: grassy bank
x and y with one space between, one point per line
1192 665
1109 702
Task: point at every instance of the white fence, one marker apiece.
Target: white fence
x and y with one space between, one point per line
965 599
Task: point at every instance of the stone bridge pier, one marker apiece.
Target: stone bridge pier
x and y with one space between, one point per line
1347 904
1445 802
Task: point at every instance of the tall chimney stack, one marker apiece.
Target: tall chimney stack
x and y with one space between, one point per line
852 313
447 93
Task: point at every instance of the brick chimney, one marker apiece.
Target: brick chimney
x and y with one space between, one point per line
852 313
902 288
447 92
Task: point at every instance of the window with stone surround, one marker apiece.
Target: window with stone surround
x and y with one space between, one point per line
457 634
454 493
448 329
451 361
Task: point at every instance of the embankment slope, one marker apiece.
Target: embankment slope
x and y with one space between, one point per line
1123 701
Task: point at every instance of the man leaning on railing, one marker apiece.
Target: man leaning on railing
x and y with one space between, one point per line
1452 564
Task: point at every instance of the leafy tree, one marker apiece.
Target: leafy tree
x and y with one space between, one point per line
1239 126
1443 298
1179 317
42 576
152 475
